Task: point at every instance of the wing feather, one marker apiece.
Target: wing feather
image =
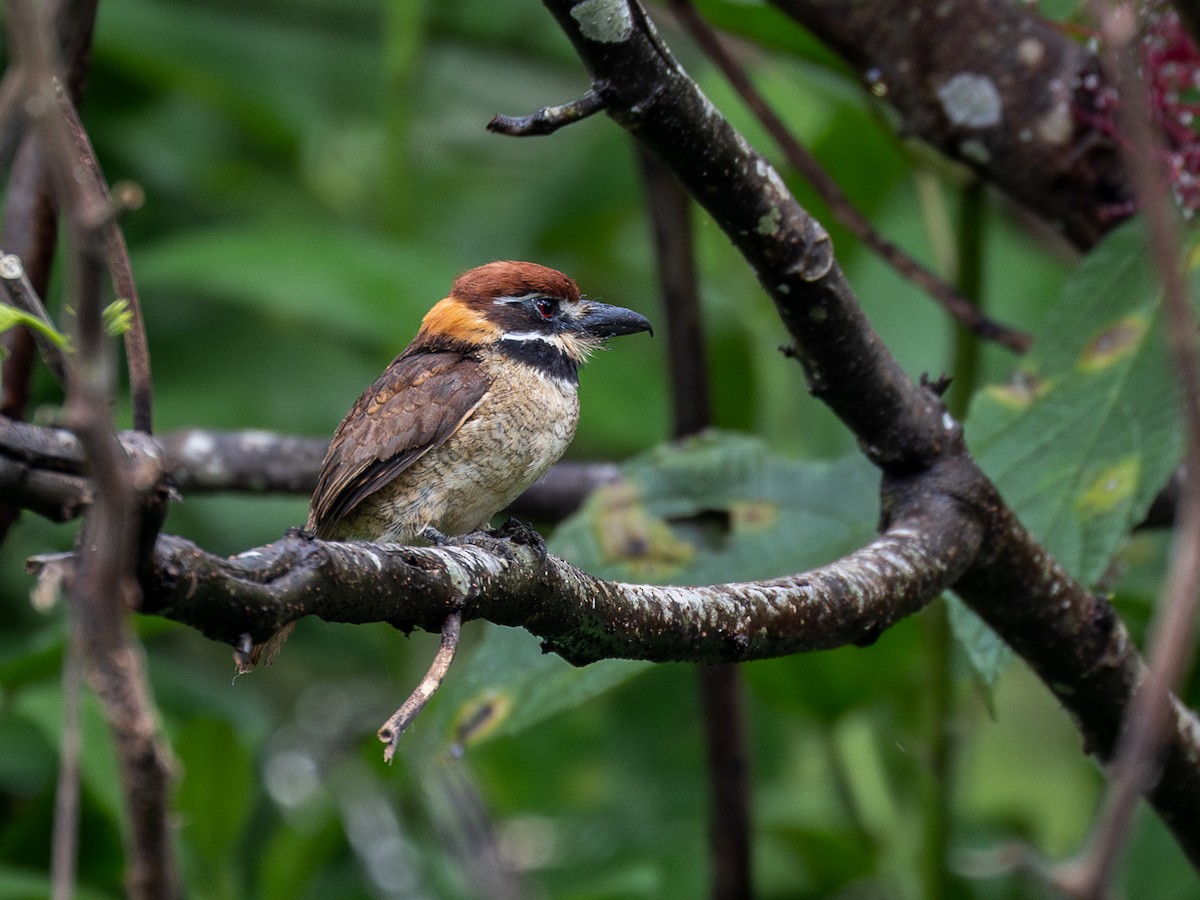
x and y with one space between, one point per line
413 407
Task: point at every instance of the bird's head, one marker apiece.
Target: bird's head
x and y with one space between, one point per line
533 313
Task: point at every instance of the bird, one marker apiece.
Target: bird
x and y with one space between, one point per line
481 404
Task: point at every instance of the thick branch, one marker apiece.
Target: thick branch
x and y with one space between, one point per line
902 428
992 85
579 617
1080 648
43 469
1072 639
799 158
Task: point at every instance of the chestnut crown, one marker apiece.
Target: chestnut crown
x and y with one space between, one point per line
510 304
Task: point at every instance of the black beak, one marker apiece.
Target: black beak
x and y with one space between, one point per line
604 321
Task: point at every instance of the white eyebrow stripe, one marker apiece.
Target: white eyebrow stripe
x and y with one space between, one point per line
532 336
518 299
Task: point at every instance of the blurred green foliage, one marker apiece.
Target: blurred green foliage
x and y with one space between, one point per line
315 174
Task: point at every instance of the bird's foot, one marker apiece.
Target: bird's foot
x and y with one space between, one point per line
520 533
435 538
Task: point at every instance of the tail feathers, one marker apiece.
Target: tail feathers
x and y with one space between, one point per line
246 658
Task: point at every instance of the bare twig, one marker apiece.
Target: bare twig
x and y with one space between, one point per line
103 588
137 350
43 469
563 489
390 733
137 347
201 460
1171 642
670 210
13 118
549 119
30 217
799 158
30 231
64 852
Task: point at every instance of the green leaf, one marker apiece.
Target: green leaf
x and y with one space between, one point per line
277 76
770 28
42 704
349 282
1087 437
509 684
987 655
216 792
712 509
26 884
721 508
294 858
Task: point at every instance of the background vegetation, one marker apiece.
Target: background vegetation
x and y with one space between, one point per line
315 174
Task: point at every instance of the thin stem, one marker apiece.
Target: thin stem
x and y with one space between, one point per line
22 294
722 691
967 265
116 256
391 730
670 211
970 259
65 849
939 702
1148 719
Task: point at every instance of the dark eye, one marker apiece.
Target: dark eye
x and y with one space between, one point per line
546 308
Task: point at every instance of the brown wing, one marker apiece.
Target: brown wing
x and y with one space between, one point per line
414 406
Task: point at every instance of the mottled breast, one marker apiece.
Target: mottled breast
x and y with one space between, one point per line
523 426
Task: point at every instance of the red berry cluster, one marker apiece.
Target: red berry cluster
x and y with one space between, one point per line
1171 69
